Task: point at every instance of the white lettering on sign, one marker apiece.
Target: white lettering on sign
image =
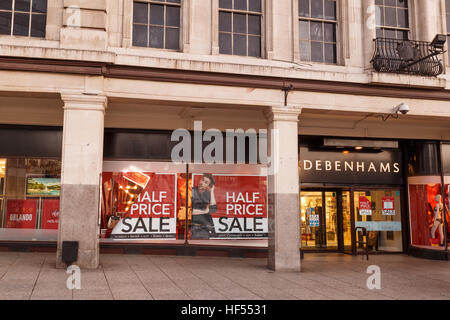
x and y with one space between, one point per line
151 204
351 166
247 205
20 217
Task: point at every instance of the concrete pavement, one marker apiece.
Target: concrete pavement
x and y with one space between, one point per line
324 276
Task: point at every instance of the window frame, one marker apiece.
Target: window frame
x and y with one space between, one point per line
30 19
164 3
340 37
447 30
263 21
409 29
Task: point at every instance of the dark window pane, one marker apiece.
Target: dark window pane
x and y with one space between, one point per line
330 53
173 16
140 35
303 8
379 14
403 35
225 43
391 3
330 9
403 18
317 51
317 8
316 31
254 5
254 24
174 1
6 5
447 5
21 24
240 4
239 45
239 23
225 4
156 37
225 21
254 46
390 17
402 3
304 30
380 2
448 22
173 38
329 32
5 23
388 33
39 6
38 23
140 12
22 5
305 51
380 33
156 14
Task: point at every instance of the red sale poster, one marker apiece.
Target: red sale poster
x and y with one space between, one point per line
145 205
50 214
388 206
21 214
365 205
237 206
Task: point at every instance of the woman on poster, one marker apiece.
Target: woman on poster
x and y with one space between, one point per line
203 204
437 220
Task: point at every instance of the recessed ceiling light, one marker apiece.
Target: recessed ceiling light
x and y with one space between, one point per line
358 148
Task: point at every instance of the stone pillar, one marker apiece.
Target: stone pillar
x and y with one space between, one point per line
82 158
283 188
369 31
429 19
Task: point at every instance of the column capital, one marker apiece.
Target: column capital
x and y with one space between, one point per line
83 101
281 113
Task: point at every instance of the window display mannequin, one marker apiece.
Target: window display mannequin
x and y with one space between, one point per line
437 220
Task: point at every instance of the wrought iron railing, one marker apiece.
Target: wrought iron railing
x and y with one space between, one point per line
407 56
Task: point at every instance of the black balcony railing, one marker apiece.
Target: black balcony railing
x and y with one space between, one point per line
408 56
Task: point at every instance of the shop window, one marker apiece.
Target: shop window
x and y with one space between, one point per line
30 198
161 201
392 19
156 24
23 17
240 27
426 211
379 212
318 30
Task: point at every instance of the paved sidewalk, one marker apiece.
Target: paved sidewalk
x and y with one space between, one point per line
324 276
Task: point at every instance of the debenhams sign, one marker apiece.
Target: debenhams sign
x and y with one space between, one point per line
351 168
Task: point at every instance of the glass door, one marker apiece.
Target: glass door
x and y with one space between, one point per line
318 220
346 222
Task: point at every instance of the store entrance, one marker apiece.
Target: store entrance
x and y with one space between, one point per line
325 218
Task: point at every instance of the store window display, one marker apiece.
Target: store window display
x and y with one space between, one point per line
29 198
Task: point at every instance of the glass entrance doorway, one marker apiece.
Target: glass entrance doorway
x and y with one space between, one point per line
326 220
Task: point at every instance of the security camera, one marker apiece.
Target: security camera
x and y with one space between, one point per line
403 108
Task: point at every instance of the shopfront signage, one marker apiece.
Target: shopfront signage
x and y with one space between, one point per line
350 168
241 206
50 214
388 206
365 205
21 214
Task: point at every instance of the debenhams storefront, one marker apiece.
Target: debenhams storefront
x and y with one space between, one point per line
392 189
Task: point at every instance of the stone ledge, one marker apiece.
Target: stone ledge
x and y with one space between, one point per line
407 80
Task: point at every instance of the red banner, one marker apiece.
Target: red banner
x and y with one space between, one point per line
241 205
50 214
365 205
21 214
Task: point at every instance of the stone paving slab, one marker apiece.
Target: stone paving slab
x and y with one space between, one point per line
33 276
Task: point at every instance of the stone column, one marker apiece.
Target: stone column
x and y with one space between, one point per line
369 31
82 158
283 188
428 19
